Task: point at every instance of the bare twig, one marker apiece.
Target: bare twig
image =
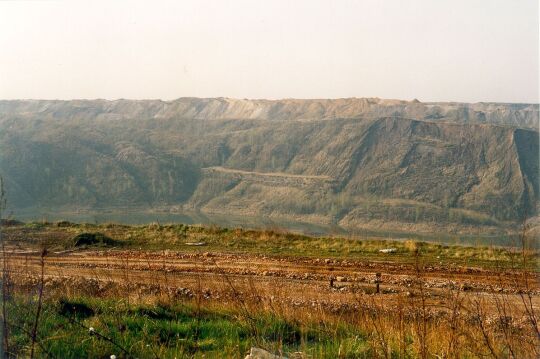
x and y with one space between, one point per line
92 331
39 303
5 276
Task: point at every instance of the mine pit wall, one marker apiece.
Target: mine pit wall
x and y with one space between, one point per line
271 195
397 162
527 147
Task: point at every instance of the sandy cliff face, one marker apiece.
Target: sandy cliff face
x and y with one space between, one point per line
518 115
355 162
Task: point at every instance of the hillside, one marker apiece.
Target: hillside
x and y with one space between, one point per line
518 115
353 162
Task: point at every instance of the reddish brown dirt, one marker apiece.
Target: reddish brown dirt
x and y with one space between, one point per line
300 281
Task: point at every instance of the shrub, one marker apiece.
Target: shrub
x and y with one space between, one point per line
88 239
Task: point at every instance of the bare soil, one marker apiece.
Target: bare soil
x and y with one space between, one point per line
297 281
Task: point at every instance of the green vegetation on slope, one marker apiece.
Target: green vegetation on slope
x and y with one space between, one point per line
266 242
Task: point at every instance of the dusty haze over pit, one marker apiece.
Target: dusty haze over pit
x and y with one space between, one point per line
458 50
358 163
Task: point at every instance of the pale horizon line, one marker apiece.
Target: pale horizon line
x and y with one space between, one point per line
269 99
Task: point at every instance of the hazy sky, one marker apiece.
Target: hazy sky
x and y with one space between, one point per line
450 50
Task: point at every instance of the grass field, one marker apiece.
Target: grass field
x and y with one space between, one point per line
270 242
176 291
179 330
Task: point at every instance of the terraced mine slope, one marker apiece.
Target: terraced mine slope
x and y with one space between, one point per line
366 163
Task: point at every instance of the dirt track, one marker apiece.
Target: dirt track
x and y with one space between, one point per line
292 279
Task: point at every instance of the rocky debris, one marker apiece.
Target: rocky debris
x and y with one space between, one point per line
359 265
258 353
348 272
102 288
